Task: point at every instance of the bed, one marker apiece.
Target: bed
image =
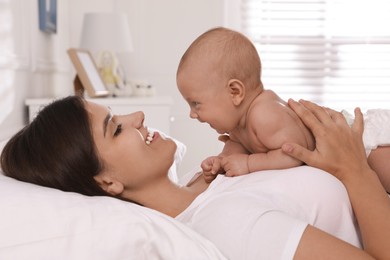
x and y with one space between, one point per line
44 223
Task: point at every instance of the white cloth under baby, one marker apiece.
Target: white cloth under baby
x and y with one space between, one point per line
376 128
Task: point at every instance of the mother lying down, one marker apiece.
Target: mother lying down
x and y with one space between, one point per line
299 213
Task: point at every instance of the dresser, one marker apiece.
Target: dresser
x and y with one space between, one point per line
157 109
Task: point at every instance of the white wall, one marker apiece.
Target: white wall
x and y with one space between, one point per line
32 63
162 31
35 64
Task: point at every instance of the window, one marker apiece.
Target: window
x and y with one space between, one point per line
333 52
7 57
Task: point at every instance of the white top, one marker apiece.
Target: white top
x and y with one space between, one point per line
263 215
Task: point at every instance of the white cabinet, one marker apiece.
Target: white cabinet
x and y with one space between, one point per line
157 109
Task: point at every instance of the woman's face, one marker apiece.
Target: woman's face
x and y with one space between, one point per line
130 154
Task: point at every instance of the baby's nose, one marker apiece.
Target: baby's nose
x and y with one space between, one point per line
193 115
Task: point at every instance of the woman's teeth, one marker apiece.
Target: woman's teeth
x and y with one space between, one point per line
149 137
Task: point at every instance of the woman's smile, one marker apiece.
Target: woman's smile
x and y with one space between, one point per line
149 136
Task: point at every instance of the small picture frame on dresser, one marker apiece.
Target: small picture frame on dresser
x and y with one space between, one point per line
88 77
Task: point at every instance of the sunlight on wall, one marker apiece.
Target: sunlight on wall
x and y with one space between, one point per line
6 39
7 92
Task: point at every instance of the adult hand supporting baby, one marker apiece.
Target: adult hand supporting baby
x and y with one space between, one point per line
339 148
339 151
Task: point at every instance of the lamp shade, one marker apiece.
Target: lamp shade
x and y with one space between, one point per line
106 31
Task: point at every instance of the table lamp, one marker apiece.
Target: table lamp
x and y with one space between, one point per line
105 35
106 31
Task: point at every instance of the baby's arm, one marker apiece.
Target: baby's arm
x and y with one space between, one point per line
240 164
231 147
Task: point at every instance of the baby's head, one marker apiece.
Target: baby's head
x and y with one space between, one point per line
221 54
220 69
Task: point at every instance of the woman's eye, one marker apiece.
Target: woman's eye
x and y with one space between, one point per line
118 130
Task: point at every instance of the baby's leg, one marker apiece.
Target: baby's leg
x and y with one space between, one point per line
379 161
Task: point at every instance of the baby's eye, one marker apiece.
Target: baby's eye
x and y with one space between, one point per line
195 104
118 130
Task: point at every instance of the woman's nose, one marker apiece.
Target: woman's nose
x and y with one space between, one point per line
137 119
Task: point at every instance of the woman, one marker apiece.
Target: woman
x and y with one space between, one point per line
75 145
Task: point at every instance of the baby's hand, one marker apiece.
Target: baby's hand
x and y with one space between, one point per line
211 166
235 164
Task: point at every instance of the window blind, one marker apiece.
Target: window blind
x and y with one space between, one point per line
333 52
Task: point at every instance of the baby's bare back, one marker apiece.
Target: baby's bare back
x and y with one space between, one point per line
270 123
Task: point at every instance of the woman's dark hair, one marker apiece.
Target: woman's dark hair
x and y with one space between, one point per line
56 150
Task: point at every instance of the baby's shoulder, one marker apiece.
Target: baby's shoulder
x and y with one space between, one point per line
269 95
268 99
268 106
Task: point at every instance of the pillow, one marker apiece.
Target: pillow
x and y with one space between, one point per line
44 223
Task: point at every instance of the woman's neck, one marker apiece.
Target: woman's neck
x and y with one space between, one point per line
168 197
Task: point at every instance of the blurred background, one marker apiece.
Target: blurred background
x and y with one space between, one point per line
336 53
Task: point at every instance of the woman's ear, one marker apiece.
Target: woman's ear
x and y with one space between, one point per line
237 91
109 184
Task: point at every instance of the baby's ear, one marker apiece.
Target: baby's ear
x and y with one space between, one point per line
109 184
237 91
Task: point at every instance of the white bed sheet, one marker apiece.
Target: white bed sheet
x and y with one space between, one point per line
44 223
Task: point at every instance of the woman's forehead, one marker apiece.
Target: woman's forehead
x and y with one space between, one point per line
97 113
94 108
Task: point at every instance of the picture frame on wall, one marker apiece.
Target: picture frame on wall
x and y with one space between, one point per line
88 77
48 16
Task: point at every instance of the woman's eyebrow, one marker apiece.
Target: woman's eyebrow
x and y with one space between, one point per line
106 120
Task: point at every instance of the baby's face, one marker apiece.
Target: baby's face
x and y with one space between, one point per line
208 98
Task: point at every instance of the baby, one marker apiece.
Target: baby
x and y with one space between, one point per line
220 77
